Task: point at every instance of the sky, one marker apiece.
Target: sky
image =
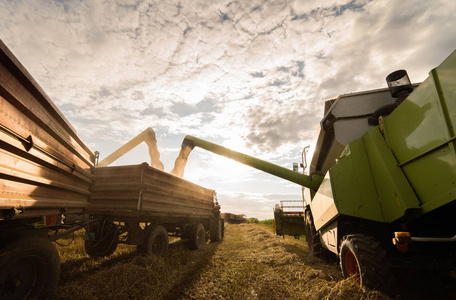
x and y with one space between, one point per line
249 75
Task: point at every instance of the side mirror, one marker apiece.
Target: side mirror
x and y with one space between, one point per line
295 167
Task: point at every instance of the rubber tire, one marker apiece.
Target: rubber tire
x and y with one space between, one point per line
313 238
106 239
216 228
197 238
277 231
363 256
35 263
157 241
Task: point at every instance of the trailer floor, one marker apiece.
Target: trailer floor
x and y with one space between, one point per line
251 263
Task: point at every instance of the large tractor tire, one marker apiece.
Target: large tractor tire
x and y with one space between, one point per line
101 239
216 228
197 237
316 249
313 237
364 259
156 241
29 269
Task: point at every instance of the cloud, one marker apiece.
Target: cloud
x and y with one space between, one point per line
251 75
274 125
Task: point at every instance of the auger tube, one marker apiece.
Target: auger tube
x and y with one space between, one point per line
311 182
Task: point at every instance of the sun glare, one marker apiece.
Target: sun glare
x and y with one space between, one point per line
218 169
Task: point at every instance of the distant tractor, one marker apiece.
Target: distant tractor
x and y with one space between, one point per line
380 186
233 218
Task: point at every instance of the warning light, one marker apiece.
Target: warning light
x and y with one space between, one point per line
401 240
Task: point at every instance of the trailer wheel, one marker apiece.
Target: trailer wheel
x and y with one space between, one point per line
29 268
216 228
364 259
101 239
197 237
156 242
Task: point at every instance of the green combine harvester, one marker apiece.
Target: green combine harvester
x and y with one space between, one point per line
380 184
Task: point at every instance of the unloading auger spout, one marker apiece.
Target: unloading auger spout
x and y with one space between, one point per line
311 182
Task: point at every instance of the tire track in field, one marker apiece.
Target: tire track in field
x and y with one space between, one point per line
252 263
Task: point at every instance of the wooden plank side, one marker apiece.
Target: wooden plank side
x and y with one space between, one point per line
22 121
14 194
159 217
13 147
25 189
28 86
164 209
122 188
117 171
44 165
166 179
17 166
18 125
177 191
152 201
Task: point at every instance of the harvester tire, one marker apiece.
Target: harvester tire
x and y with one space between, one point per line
156 241
197 237
313 238
364 259
101 239
216 228
29 268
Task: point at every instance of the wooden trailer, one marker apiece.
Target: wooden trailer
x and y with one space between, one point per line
50 187
146 205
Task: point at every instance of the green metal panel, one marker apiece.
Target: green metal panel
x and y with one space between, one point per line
353 187
421 135
368 184
447 77
395 195
416 126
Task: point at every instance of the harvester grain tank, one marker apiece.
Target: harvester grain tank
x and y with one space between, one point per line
380 186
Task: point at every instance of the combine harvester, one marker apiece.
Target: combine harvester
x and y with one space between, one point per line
380 188
51 186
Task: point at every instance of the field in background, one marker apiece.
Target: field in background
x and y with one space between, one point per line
251 263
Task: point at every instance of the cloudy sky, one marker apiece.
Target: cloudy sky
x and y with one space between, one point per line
249 75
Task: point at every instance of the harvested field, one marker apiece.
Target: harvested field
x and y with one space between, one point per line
251 263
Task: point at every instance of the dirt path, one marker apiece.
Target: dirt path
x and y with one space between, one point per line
251 263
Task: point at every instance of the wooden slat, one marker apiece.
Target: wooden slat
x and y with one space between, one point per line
17 166
16 73
122 188
14 119
55 173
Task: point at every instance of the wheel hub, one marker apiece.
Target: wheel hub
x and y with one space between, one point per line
352 267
